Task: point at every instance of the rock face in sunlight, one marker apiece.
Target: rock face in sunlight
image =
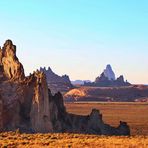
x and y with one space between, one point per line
13 69
56 83
108 72
40 115
27 103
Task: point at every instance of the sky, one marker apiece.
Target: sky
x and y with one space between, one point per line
79 37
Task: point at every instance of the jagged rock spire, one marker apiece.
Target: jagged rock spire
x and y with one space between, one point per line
13 69
108 72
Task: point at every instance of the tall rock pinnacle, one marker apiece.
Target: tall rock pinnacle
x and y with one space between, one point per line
108 72
108 79
13 69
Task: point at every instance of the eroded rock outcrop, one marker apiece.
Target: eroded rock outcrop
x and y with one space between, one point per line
13 69
55 82
108 79
27 103
109 73
40 115
1 118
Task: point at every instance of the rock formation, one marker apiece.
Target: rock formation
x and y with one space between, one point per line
1 109
27 103
108 72
13 69
57 83
107 79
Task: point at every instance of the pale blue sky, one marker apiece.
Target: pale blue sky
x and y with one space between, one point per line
79 37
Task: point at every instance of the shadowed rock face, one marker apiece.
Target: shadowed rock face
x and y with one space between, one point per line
27 103
55 82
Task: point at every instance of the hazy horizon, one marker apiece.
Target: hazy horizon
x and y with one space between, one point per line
79 38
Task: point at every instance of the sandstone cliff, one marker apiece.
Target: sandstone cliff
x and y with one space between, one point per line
27 103
13 69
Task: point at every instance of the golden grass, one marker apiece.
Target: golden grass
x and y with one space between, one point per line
135 114
12 139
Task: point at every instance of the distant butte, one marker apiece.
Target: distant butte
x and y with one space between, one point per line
108 79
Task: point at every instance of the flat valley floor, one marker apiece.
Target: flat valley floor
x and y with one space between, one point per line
135 114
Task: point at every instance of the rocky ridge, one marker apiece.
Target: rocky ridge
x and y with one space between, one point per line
27 103
55 82
108 79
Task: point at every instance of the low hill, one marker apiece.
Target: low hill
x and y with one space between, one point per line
132 93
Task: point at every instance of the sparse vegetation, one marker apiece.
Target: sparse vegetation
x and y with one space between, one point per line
65 140
135 114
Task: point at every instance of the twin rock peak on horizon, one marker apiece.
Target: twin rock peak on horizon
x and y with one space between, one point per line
27 103
108 79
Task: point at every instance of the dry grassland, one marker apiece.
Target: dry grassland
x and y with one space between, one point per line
14 140
135 114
